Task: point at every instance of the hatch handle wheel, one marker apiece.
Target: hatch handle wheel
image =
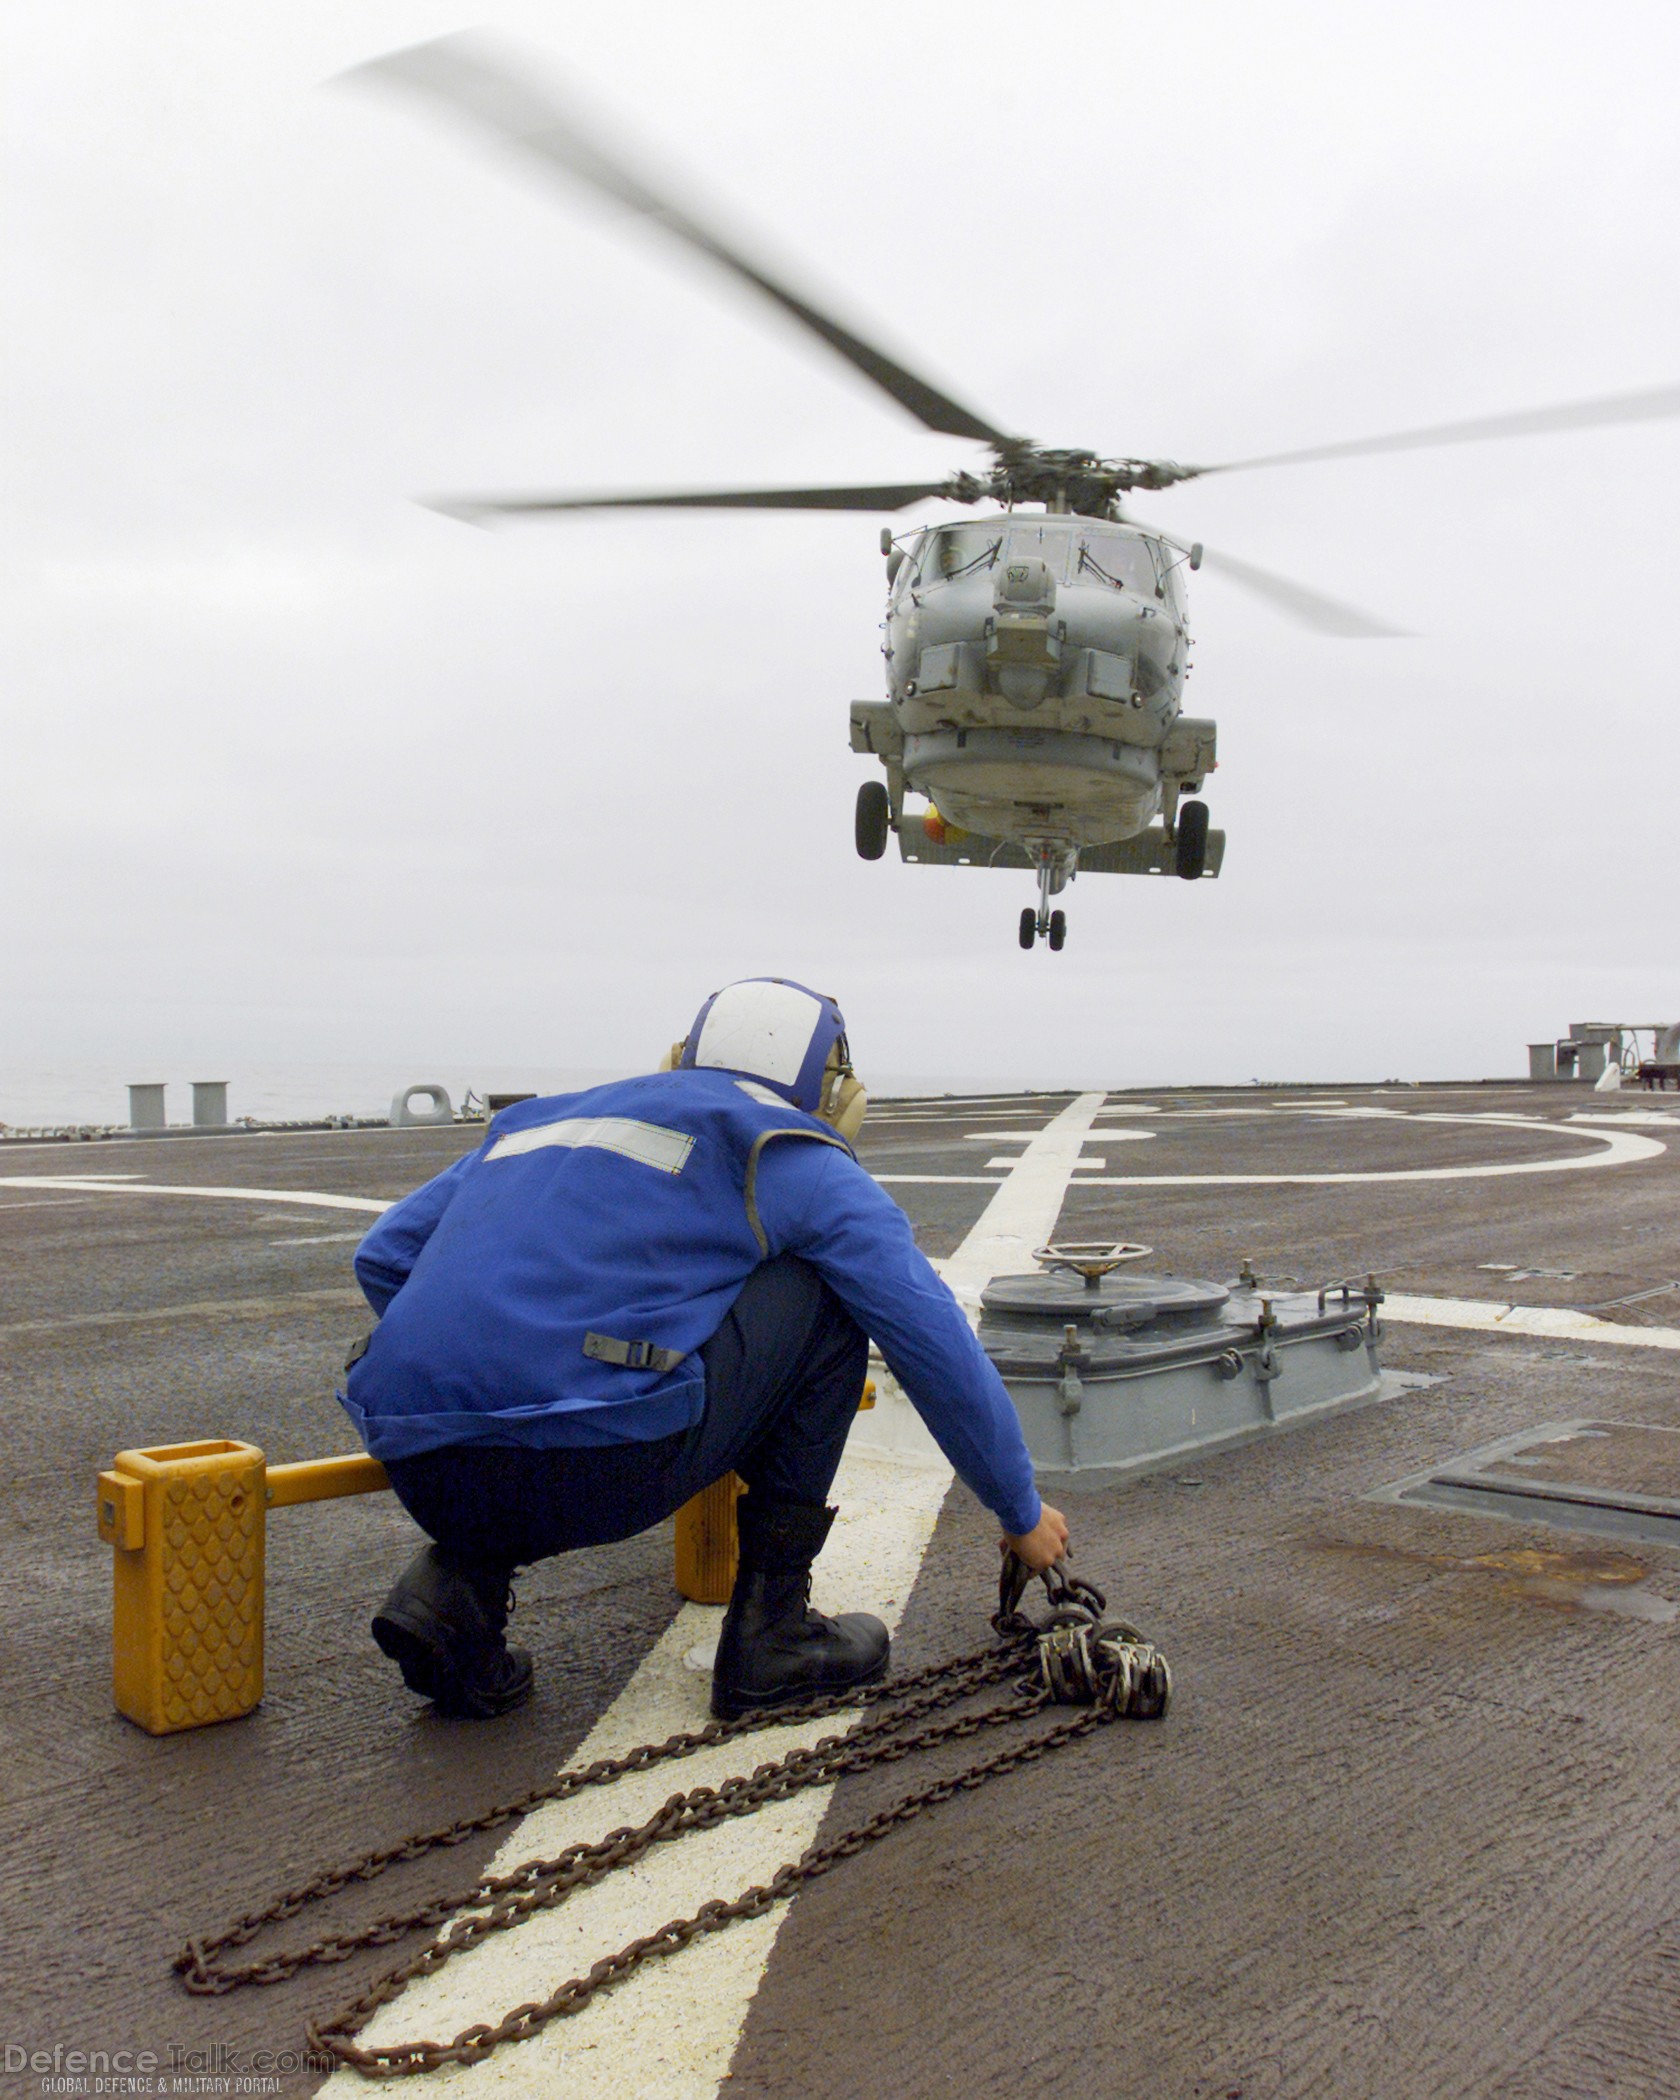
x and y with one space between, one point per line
1092 1259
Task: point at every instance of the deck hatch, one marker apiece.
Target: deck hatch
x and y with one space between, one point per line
1612 1479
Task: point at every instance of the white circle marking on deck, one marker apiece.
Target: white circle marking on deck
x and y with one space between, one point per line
1617 1148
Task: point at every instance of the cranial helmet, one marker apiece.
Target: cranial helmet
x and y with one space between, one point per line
777 1035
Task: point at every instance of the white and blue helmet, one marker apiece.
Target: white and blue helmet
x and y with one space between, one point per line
775 1032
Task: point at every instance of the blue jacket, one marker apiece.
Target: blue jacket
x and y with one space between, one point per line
635 1212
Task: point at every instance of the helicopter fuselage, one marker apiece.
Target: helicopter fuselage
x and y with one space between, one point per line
1035 673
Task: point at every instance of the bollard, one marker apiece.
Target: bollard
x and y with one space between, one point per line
188 1525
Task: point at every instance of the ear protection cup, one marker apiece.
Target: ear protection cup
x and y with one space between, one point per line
844 1101
851 1104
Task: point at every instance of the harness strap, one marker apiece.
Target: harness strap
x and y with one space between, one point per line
634 1356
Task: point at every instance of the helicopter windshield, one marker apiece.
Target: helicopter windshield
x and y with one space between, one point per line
1120 559
959 550
1047 543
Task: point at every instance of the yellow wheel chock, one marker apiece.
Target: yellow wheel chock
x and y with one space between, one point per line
189 1522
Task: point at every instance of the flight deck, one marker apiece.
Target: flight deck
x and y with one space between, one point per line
1407 1829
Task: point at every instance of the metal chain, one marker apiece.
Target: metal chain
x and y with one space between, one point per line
1073 1656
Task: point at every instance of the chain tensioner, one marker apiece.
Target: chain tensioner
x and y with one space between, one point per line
1071 1656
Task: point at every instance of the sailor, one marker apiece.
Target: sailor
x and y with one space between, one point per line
623 1295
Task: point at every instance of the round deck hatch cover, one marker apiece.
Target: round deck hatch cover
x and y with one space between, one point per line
1125 1300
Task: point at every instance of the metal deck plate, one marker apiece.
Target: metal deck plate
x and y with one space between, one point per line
1614 1479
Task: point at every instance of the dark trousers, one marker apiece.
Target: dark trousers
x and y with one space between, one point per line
784 1374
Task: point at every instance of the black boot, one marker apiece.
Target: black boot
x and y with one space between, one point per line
774 1649
445 1626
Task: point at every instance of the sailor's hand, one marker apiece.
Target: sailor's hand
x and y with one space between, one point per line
1045 1544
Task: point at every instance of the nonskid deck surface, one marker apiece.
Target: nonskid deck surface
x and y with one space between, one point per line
1408 1827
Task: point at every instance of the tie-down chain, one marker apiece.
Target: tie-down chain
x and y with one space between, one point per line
1071 1656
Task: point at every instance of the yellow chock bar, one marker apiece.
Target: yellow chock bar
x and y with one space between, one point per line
708 1542
189 1522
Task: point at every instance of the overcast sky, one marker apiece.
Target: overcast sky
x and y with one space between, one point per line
296 770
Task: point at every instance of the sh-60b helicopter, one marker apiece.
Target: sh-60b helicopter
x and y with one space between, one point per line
1036 658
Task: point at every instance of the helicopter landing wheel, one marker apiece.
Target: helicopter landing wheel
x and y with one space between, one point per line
873 818
1190 849
1058 928
1029 926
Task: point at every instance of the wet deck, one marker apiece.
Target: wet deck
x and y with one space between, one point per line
1409 1830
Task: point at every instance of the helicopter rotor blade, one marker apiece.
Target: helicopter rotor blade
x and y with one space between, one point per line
476 510
468 75
1649 406
1311 608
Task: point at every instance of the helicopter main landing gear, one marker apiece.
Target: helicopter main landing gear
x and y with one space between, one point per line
1052 925
1190 845
874 819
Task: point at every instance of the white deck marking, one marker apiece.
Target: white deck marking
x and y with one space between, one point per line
967 1181
96 1186
670 2032
1618 1148
1653 1118
1092 1137
1488 1316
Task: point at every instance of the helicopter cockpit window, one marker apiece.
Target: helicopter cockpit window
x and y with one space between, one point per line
909 571
1045 543
1119 559
959 550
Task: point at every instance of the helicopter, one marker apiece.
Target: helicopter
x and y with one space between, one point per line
1037 656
